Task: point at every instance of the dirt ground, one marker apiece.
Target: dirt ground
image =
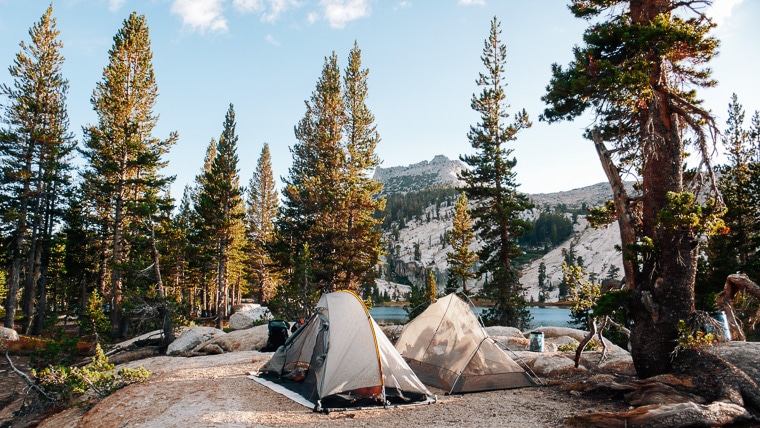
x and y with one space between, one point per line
215 391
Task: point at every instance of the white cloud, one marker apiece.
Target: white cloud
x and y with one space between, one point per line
339 12
472 2
248 6
270 10
208 15
277 8
201 15
114 5
721 10
404 4
271 40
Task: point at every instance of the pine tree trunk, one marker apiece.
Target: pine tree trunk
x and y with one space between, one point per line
11 300
664 288
83 299
43 267
42 284
30 282
116 274
221 286
156 260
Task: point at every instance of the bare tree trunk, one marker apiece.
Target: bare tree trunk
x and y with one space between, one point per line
592 330
43 266
156 264
39 322
204 297
725 302
622 206
83 299
31 275
11 300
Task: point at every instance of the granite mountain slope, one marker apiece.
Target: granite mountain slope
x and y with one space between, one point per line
415 245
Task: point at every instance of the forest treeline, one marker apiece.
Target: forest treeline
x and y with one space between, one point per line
107 243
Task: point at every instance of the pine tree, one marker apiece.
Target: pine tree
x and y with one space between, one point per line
491 185
362 248
35 152
638 71
329 201
123 158
221 201
543 287
313 195
201 249
181 250
461 259
263 202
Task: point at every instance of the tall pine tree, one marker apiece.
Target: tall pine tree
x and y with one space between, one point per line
35 152
491 185
201 248
363 237
123 158
263 202
221 201
329 201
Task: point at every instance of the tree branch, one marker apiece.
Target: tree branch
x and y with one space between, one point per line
622 204
32 384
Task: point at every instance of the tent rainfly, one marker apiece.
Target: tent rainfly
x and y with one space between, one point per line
449 349
340 358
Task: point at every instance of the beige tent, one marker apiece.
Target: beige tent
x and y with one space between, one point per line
341 358
449 349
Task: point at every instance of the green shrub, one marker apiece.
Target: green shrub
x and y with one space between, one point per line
692 339
63 385
592 345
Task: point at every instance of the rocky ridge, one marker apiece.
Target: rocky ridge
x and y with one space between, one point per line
597 247
441 171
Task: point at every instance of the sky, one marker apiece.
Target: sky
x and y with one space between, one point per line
265 56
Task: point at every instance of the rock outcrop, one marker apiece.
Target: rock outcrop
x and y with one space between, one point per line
8 334
247 318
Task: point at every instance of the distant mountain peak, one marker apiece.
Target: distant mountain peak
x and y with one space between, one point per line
441 171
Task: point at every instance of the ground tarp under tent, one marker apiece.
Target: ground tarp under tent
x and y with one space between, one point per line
340 358
449 349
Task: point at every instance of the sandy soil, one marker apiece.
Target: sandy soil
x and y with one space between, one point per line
215 391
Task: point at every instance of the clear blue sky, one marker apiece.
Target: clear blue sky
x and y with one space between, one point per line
265 56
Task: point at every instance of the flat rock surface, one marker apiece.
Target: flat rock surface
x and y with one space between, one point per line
215 390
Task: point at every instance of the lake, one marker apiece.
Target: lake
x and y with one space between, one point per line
546 316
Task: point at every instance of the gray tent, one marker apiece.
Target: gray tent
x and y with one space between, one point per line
449 349
340 358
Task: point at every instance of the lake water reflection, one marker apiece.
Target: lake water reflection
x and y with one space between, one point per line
545 316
